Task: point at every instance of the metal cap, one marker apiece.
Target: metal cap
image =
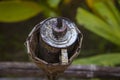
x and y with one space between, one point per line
58 32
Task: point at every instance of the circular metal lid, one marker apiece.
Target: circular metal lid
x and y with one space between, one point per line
58 32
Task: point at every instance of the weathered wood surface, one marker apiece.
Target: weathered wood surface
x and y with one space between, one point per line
26 69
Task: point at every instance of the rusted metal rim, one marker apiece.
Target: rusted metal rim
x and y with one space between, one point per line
47 33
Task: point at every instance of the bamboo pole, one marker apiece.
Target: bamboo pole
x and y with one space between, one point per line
23 69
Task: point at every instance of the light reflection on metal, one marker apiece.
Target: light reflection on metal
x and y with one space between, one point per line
68 39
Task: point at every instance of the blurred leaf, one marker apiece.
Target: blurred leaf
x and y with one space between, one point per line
111 59
90 3
50 13
119 2
97 25
67 1
13 11
105 12
53 3
113 9
47 10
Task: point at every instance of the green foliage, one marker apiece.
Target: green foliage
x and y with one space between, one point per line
108 13
119 1
110 59
53 3
13 11
48 12
19 10
105 21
